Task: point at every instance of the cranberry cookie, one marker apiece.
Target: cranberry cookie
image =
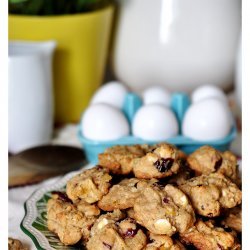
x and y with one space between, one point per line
110 232
90 185
206 160
66 221
162 161
163 211
210 193
205 236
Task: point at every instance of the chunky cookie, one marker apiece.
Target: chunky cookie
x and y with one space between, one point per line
162 161
14 244
66 221
121 195
163 211
206 160
110 232
119 159
90 185
233 219
205 236
158 242
210 193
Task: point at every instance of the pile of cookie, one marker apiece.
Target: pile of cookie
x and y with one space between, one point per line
151 197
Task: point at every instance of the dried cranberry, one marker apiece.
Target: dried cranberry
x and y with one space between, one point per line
107 245
218 164
166 200
164 164
130 233
62 196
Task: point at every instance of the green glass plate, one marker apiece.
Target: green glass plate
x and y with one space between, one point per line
34 223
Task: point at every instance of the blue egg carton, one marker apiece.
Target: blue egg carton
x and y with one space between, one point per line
179 104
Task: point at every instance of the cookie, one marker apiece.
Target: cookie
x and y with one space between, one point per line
206 160
119 159
233 219
205 236
210 193
158 242
162 161
163 211
66 221
121 195
110 232
14 244
90 185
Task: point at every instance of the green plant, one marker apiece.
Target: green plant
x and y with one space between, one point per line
54 7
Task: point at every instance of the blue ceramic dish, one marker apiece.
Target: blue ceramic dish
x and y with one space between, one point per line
179 104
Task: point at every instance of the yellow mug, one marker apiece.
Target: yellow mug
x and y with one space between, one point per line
80 57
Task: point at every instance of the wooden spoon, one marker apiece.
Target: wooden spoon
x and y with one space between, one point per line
36 164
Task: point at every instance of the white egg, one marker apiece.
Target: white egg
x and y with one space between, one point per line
157 95
154 122
207 120
208 91
112 93
103 122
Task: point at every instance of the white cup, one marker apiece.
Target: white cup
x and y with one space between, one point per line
30 94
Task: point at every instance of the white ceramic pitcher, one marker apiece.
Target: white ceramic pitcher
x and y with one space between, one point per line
30 94
180 44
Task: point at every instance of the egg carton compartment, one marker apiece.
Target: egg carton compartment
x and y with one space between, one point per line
179 104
